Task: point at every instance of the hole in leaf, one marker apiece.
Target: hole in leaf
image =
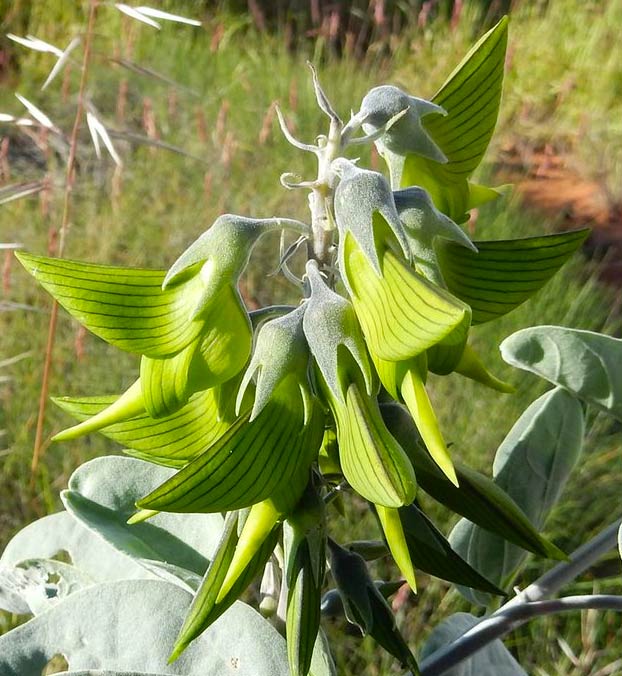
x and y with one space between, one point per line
56 665
63 556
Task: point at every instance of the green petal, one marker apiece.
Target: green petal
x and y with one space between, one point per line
372 461
107 411
471 366
204 609
126 307
471 97
401 313
248 464
504 273
416 398
172 440
477 497
394 533
217 355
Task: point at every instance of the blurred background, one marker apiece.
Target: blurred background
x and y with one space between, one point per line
189 111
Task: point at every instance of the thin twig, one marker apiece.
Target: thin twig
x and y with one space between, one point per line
69 178
528 604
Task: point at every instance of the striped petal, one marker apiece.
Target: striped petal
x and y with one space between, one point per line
217 355
504 273
372 461
401 313
126 307
205 610
172 440
471 96
249 463
394 534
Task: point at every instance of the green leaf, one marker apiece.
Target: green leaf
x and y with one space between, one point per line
494 659
471 96
401 313
502 274
172 441
372 461
431 552
130 625
477 497
585 363
532 466
102 494
247 464
124 306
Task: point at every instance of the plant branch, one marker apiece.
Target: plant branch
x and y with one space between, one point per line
69 179
528 604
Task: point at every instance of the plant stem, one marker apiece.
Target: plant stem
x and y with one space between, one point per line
69 179
528 604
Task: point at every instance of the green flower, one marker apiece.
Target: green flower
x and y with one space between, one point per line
402 314
190 325
372 461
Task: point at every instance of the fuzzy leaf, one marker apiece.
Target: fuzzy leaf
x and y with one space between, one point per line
532 466
494 659
61 532
503 274
130 625
102 494
585 363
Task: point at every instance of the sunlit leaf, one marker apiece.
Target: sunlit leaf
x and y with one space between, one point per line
585 363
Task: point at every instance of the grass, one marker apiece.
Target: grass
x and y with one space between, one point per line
161 201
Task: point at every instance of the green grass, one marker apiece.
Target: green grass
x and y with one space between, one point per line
161 204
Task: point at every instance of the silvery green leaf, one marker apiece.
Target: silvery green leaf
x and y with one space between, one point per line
493 659
532 466
407 135
131 625
359 196
102 495
423 224
56 533
42 583
322 663
587 364
331 328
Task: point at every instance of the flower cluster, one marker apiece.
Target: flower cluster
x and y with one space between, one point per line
268 415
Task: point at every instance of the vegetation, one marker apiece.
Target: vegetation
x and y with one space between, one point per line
146 212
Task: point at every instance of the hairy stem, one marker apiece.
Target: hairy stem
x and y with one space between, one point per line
64 226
